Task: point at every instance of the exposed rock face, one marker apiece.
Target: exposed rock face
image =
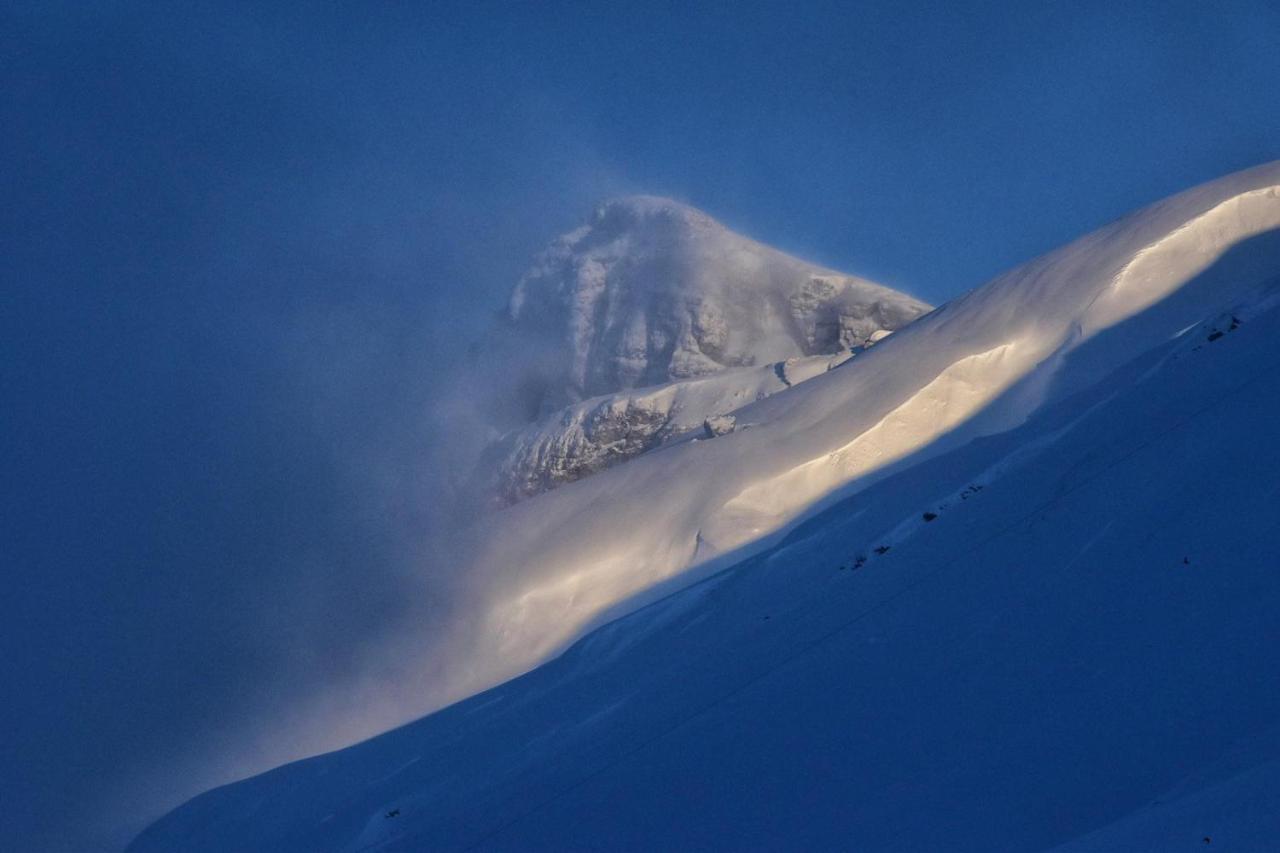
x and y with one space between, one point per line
832 316
579 441
592 435
653 295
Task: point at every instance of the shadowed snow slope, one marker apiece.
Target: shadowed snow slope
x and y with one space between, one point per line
1005 580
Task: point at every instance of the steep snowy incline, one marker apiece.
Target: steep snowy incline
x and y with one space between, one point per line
587 437
554 566
1060 631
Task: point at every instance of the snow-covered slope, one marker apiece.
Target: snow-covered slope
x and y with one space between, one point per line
587 437
570 559
1003 581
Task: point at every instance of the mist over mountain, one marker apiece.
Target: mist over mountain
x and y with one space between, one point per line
652 294
284 471
1003 581
651 290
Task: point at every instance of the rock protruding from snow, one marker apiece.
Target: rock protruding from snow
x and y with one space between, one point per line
1076 372
595 434
578 441
650 291
718 425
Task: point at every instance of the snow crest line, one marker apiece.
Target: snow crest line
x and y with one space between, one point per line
1164 265
842 627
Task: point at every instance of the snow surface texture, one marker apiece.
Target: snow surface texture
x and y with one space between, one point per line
653 294
1005 582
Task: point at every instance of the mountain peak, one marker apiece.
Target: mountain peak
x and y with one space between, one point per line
651 290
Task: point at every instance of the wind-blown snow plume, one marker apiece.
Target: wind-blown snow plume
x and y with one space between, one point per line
1092 352
397 419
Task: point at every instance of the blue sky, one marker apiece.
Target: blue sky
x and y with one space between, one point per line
244 243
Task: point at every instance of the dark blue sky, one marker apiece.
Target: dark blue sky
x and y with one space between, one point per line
243 244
